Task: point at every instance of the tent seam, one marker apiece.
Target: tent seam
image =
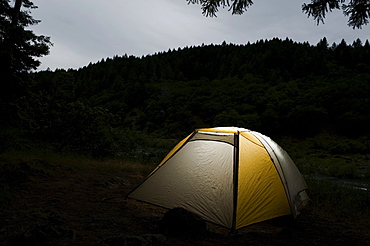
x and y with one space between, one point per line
283 181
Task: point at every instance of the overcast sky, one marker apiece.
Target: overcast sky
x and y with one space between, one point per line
87 31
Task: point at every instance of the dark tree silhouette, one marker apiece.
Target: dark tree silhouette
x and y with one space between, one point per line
358 11
19 49
210 7
19 46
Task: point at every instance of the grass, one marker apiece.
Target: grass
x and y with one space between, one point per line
338 200
20 167
327 163
315 157
332 156
78 162
333 206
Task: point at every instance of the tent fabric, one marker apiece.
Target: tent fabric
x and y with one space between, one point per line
293 181
229 176
261 194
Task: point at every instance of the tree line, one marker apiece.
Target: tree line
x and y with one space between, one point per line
277 87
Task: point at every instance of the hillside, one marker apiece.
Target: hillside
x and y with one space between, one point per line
278 87
73 142
135 107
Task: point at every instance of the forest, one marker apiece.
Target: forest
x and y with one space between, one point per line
74 142
278 87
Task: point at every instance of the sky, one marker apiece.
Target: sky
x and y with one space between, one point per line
88 31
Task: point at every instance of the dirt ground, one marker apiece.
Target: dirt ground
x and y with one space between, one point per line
53 204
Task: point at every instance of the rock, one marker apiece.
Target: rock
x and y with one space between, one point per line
179 221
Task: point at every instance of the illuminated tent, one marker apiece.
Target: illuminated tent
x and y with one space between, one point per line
229 176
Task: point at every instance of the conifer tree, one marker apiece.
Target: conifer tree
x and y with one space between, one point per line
358 11
19 48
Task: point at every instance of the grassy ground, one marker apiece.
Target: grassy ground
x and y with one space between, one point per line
53 199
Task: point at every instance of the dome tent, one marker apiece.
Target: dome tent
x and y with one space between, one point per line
229 176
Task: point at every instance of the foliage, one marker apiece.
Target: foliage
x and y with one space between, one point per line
330 156
278 87
211 7
19 45
50 112
19 48
358 11
271 86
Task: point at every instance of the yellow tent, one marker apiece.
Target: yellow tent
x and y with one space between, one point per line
229 176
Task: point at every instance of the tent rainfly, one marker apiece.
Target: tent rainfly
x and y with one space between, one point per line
229 176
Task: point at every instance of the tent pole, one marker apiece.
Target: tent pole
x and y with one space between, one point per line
235 181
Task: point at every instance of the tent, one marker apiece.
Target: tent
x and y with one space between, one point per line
229 176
